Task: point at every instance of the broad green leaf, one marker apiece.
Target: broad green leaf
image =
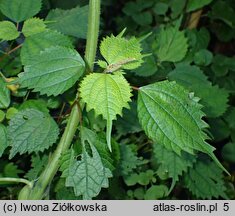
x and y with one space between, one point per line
171 163
197 4
38 104
3 139
222 10
144 18
36 43
107 94
99 143
160 8
37 165
213 98
206 181
177 7
142 178
88 175
121 53
64 193
170 45
70 22
8 31
53 71
31 131
33 26
4 95
203 57
156 192
172 117
20 10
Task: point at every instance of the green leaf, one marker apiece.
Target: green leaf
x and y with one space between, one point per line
4 95
3 139
11 170
8 31
53 71
205 181
156 192
203 57
2 116
20 10
160 8
88 175
36 43
37 165
37 104
129 159
170 45
226 15
107 94
31 131
121 53
172 117
33 26
177 7
70 22
228 152
171 163
213 98
197 4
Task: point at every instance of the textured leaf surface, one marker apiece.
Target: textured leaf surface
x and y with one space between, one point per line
20 10
170 45
31 131
36 43
70 22
196 4
205 181
33 26
53 71
171 163
172 117
4 95
107 94
213 98
3 139
121 53
8 31
88 175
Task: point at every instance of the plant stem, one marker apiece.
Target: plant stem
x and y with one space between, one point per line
53 165
16 180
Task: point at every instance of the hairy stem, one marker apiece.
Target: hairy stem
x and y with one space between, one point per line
53 165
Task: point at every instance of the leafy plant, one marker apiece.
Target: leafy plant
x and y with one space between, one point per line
141 117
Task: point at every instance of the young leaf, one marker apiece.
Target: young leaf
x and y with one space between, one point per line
170 45
31 131
197 4
70 22
20 10
172 164
36 43
107 94
172 117
4 95
8 31
3 139
121 53
53 71
213 98
205 181
88 175
33 26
